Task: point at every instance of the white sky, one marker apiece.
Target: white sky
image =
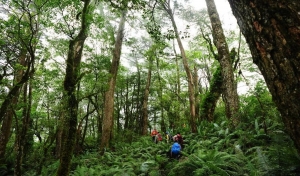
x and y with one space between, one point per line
224 10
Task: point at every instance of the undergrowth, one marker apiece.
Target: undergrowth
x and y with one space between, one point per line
214 150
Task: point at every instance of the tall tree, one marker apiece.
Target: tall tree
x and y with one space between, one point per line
8 118
230 88
23 26
108 119
22 136
271 29
150 54
70 100
192 120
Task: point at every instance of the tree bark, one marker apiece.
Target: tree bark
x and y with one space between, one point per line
70 101
107 126
161 102
230 89
211 98
7 121
216 88
137 123
271 28
175 119
146 95
197 100
22 135
192 119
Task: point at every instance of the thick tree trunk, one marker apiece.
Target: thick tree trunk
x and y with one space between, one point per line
230 89
211 98
271 28
108 119
70 101
192 119
216 88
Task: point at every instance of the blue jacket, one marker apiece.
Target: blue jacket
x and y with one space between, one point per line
175 148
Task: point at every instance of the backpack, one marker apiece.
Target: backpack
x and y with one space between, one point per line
179 137
159 137
180 141
168 137
175 148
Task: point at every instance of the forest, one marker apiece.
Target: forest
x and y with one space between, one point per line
83 83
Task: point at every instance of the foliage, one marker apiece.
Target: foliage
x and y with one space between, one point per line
258 146
137 158
214 150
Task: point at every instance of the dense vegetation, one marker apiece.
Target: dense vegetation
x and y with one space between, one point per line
259 146
82 84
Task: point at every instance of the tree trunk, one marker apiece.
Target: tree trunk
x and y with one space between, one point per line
230 89
146 95
58 140
211 98
138 121
126 105
192 119
176 117
272 31
70 101
46 146
216 88
161 102
7 121
23 138
197 100
81 142
107 127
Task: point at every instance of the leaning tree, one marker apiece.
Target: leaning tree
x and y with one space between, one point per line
272 31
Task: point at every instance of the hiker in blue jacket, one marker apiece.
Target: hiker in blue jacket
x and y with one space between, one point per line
175 149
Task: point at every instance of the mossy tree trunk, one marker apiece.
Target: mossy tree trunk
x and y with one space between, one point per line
211 98
70 101
230 89
26 31
12 100
271 29
216 88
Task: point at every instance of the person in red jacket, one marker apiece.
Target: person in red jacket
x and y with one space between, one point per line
153 134
179 139
158 137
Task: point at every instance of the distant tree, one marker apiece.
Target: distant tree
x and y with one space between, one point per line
271 29
192 119
150 54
